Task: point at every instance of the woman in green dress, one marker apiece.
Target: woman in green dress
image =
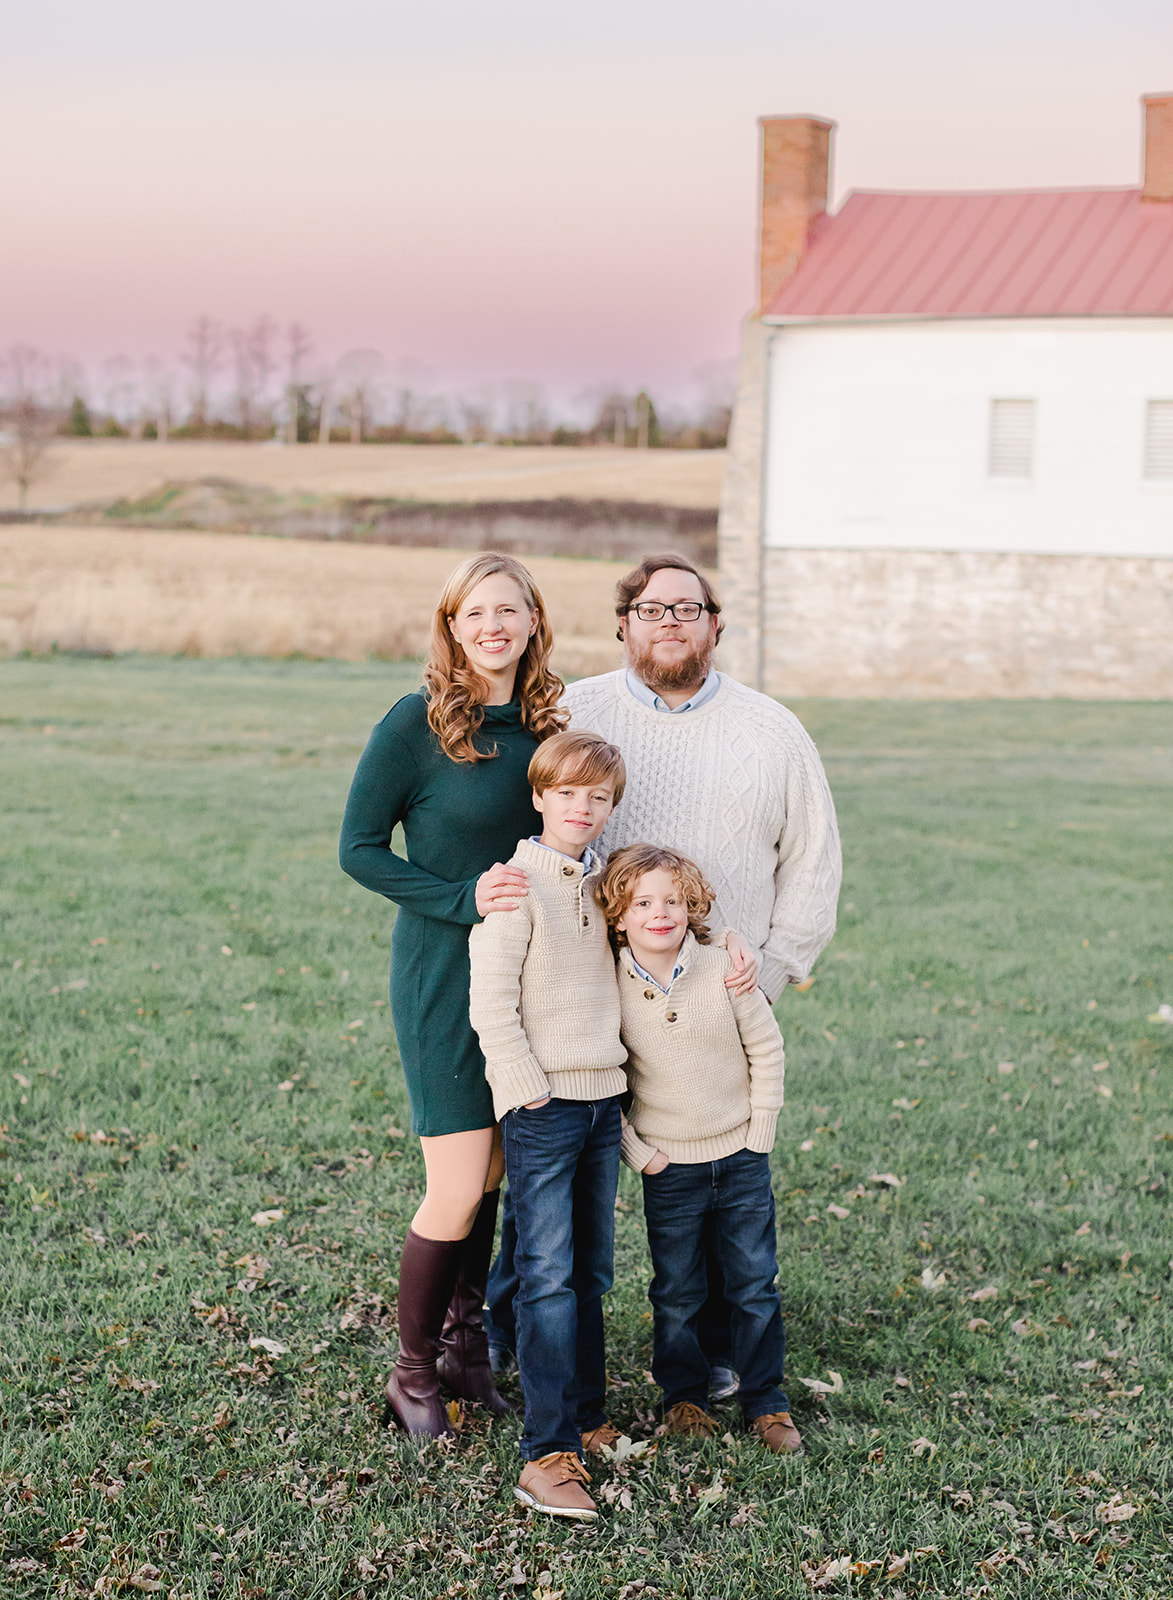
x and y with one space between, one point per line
449 764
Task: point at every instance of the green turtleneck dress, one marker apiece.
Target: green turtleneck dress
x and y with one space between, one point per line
458 819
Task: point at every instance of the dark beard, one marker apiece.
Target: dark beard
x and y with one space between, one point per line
689 672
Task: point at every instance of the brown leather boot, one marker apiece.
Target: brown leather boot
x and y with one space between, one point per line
427 1271
463 1363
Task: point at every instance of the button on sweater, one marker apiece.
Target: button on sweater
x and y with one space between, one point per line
544 999
705 1066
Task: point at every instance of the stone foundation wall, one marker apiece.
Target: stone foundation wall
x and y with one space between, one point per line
933 624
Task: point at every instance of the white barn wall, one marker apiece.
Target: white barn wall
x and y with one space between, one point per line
868 554
877 436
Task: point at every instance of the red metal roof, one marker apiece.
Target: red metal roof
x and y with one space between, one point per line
1043 253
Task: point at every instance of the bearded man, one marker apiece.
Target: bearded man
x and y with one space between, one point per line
730 778
716 770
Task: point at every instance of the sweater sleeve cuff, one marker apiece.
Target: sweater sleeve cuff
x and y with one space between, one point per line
760 1135
516 1085
773 976
636 1154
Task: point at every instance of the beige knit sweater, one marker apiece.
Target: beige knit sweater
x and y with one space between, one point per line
544 999
737 785
705 1066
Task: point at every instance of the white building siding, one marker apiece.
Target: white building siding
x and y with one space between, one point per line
878 436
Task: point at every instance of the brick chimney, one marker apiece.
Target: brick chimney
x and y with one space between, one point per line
1158 147
796 162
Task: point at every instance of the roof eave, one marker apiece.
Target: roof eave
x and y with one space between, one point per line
781 319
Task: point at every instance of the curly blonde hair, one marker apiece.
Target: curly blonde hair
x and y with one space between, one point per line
625 868
457 693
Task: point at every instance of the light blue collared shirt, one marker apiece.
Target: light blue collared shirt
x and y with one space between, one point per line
649 697
587 858
647 977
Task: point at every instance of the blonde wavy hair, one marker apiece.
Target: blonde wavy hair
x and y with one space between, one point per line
457 692
627 866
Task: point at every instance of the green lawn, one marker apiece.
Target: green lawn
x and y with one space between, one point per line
973 1175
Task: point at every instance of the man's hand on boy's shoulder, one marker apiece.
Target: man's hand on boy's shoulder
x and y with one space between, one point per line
743 977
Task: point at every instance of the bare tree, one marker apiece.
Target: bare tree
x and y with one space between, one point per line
527 415
116 381
325 406
477 410
28 432
612 414
357 372
262 339
160 396
27 372
205 341
413 401
299 346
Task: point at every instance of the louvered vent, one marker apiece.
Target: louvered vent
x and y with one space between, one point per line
1012 438
1158 439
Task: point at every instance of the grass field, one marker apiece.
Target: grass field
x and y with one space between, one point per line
205 1181
112 590
80 470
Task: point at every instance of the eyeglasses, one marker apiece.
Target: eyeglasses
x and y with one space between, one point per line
682 611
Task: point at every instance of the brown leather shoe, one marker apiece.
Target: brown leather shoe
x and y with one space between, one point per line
596 1441
778 1433
690 1421
554 1484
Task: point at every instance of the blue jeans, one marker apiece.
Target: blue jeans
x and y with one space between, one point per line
728 1206
563 1166
501 1314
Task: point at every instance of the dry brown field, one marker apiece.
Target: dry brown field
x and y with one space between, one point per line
113 590
81 470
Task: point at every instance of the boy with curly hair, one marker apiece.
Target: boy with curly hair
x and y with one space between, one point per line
705 1072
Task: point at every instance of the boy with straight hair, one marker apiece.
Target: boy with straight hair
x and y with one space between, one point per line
705 1067
545 1004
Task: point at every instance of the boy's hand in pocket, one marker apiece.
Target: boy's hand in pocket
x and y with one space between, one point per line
534 1105
657 1164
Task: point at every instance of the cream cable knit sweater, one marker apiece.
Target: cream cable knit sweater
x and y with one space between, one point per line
543 999
737 785
705 1066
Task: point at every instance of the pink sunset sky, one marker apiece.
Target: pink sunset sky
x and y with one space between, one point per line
510 191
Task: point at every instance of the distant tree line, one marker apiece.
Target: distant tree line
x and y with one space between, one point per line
262 382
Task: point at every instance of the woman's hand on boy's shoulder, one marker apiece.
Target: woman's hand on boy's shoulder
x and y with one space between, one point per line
743 978
500 889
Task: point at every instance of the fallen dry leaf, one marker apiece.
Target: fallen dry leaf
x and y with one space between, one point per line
271 1347
626 1449
990 1292
889 1179
922 1447
822 1574
839 1211
1117 1509
817 1386
264 1219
